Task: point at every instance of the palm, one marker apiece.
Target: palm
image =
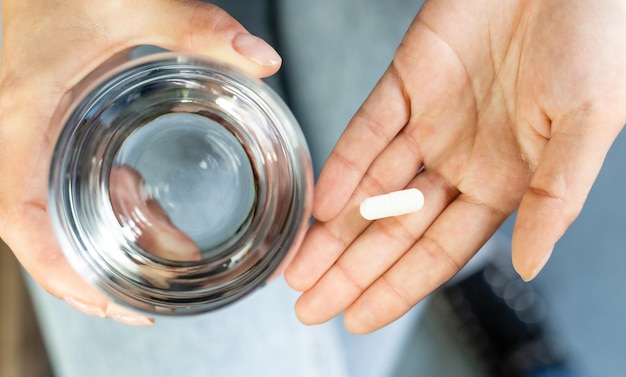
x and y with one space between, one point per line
503 105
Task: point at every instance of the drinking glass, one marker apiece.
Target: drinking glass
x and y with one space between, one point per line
178 184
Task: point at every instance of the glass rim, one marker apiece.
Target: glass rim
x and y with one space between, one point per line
81 162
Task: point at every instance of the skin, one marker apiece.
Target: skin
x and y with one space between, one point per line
506 105
44 54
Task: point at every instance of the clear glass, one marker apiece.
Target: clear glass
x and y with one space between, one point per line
178 185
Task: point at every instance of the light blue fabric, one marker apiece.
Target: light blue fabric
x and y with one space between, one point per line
258 336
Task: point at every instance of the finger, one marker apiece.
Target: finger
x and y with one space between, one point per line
424 67
378 121
461 229
42 258
373 253
389 169
325 242
559 187
40 255
127 317
198 27
24 222
185 26
45 262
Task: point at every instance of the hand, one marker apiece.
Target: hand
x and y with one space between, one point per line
488 107
47 48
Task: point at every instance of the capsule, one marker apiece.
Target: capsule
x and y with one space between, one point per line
392 204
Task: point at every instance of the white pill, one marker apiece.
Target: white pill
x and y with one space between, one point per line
392 204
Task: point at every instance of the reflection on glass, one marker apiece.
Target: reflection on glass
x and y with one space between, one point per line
145 219
182 185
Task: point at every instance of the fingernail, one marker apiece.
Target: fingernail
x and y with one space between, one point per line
535 271
133 319
256 49
84 307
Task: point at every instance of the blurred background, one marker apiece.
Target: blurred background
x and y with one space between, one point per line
22 353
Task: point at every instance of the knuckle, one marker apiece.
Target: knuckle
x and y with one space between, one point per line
440 256
210 19
402 298
349 276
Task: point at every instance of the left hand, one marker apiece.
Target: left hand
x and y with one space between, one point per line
505 106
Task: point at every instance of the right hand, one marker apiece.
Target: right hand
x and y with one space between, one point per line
47 48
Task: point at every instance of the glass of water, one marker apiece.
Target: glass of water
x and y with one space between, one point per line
178 185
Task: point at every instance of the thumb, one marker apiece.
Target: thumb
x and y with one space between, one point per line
197 27
559 187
